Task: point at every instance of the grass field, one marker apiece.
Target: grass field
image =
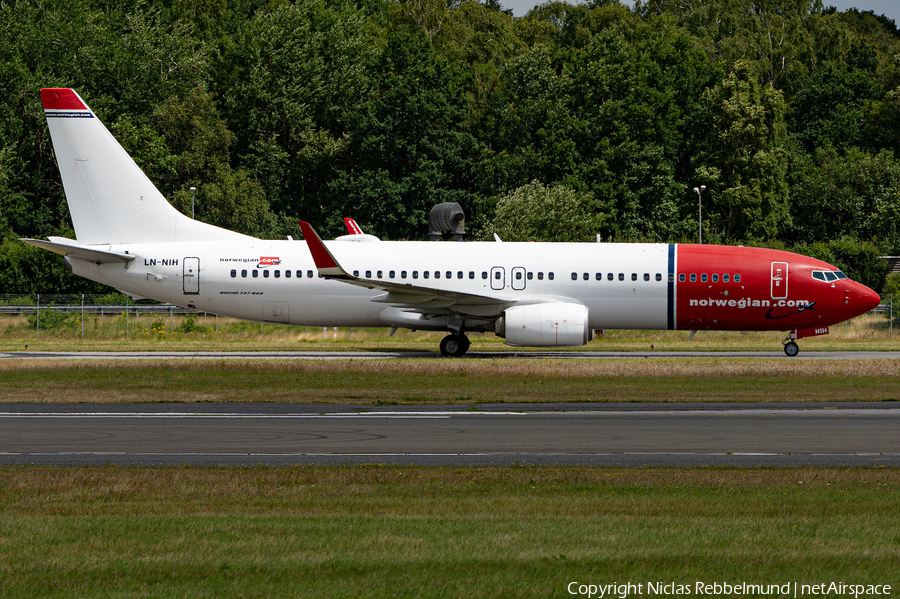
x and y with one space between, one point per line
424 381
437 532
198 333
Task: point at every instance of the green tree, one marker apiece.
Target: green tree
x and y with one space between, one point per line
744 162
408 150
536 212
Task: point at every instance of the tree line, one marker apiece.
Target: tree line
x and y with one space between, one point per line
788 111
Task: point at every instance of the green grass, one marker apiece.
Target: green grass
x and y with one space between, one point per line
437 532
423 381
198 333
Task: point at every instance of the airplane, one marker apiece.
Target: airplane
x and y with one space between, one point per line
531 294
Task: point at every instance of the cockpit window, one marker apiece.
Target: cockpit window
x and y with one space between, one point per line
828 275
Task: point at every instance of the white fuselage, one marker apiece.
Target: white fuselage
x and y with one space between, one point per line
277 281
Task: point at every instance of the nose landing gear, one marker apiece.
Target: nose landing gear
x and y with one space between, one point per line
791 348
454 345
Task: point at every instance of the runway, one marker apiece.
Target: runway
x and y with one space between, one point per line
608 434
395 355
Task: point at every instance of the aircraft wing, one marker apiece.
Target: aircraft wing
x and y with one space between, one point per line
417 298
70 247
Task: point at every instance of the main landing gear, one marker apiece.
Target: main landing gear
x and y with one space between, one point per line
454 345
790 348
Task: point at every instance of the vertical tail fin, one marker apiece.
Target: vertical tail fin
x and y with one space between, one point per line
110 198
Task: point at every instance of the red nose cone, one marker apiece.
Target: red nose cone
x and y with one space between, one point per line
866 299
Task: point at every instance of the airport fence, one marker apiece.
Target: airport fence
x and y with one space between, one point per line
52 312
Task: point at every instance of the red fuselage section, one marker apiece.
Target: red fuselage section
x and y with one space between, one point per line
740 288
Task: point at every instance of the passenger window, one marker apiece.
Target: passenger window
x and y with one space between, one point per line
737 278
355 273
725 278
321 276
277 274
368 274
715 277
518 275
471 274
233 274
308 274
540 276
574 276
530 276
634 276
621 276
415 274
703 278
437 274
379 274
610 277
425 274
255 274
549 276
299 274
659 276
681 277
243 274
672 277
265 274
287 274
391 274
586 277
693 277
402 274
484 274
459 274
599 276
647 276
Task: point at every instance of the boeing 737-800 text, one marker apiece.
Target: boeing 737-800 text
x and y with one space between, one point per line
532 294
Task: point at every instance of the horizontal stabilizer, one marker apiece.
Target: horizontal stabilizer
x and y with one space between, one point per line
69 247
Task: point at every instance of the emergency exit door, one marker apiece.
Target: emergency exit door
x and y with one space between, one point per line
191 275
779 280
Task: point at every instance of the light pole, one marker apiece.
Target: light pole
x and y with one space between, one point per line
193 189
699 191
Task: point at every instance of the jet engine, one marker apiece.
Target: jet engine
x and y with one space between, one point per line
555 324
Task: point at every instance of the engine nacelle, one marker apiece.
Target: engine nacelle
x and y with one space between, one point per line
554 324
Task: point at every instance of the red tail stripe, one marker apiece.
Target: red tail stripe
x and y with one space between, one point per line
61 98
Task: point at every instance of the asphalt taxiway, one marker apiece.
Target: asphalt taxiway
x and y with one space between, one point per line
783 434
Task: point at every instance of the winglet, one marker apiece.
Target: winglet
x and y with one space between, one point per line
326 263
352 227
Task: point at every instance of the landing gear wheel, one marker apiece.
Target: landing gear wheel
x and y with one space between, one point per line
454 346
791 349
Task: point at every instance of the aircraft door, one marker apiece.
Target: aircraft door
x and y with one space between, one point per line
191 275
779 280
518 278
498 278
